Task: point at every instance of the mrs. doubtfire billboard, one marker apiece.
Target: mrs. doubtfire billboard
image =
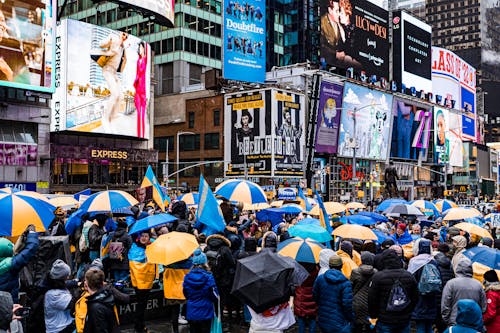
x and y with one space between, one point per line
103 81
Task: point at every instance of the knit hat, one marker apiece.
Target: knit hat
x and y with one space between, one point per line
60 270
367 258
346 246
97 263
402 226
488 242
6 305
387 243
491 276
199 258
335 261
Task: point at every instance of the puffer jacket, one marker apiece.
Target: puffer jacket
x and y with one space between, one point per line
201 293
360 279
333 294
100 313
469 318
303 302
491 317
224 272
444 265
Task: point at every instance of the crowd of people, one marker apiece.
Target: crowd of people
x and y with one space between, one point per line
418 276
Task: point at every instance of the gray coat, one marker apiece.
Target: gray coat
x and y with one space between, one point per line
463 286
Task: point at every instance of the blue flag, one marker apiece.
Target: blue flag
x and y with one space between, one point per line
323 215
307 204
209 212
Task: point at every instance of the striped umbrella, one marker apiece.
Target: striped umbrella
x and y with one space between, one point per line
20 211
402 209
302 250
192 198
107 201
8 190
459 214
426 207
443 205
242 191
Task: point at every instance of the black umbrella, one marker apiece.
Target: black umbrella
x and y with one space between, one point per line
402 209
263 280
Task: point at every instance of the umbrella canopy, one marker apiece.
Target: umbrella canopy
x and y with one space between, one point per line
354 231
242 191
377 217
426 207
151 221
192 198
357 219
35 195
302 250
108 201
443 205
315 232
331 208
18 212
381 236
263 280
291 208
309 220
355 205
477 220
388 203
402 209
460 213
8 190
277 203
473 229
172 247
64 201
257 206
485 256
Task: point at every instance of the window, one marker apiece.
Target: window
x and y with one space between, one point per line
189 142
216 117
167 78
194 74
191 119
212 141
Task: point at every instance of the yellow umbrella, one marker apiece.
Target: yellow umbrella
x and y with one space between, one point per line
331 208
172 247
461 213
473 229
256 206
355 205
64 201
277 203
354 231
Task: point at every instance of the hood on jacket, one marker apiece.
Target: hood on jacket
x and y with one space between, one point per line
104 296
5 310
334 276
324 258
367 270
443 260
391 260
469 314
270 239
459 242
235 241
464 268
424 246
216 241
6 248
367 258
197 278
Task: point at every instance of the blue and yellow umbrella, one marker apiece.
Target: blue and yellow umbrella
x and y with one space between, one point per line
192 198
443 205
107 201
426 207
242 191
302 250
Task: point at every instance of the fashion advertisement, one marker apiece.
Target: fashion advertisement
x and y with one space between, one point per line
105 82
26 44
329 110
18 154
365 123
447 137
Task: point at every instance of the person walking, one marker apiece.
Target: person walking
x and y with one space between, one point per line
459 245
491 317
469 318
360 279
304 306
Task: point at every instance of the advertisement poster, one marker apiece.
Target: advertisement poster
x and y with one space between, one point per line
354 33
18 154
365 123
26 44
329 110
161 10
244 51
411 129
454 81
104 82
447 137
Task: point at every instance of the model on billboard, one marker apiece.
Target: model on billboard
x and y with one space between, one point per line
244 130
140 99
330 30
289 136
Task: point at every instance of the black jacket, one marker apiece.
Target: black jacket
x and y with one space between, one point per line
95 237
224 272
444 265
360 279
121 235
380 288
100 314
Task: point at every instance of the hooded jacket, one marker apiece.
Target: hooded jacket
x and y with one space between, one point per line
491 317
100 314
224 272
332 292
461 287
444 265
459 252
347 263
303 302
324 257
121 235
469 318
360 279
201 293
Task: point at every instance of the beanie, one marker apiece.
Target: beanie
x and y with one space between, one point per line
60 270
397 249
346 246
97 263
488 242
367 258
402 226
335 261
491 276
387 243
199 258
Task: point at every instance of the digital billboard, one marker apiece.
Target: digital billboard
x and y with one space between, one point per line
448 137
454 81
412 52
162 11
103 81
355 33
365 123
329 109
26 44
411 129
244 35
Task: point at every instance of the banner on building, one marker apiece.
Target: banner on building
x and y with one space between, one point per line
449 149
328 121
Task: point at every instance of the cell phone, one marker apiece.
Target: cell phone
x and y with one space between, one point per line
22 312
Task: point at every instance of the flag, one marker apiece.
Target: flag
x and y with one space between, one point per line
150 180
323 215
307 205
209 213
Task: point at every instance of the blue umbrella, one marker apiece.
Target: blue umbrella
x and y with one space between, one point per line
376 216
357 219
151 221
309 220
266 215
315 232
290 209
427 207
477 220
388 203
485 256
380 235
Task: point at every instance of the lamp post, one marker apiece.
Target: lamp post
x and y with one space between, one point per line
179 133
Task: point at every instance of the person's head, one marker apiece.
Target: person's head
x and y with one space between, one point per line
123 36
141 194
199 258
144 238
141 50
6 306
416 229
469 315
441 127
424 246
161 230
345 13
334 11
401 228
459 242
330 104
287 116
246 118
94 280
335 262
346 246
60 270
367 258
490 276
487 242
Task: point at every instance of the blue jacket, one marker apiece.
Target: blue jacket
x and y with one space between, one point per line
9 281
332 292
469 318
201 293
404 239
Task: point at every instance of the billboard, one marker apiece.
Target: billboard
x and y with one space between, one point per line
244 31
103 84
365 123
455 81
412 52
329 109
448 144
26 44
411 129
355 33
265 129
162 11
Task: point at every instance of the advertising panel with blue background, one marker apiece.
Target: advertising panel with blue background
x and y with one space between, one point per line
449 148
244 55
372 133
329 109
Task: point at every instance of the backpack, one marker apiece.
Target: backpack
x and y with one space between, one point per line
430 280
116 250
83 243
214 259
398 299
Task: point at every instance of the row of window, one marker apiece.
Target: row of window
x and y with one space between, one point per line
216 118
188 142
23 96
18 132
180 43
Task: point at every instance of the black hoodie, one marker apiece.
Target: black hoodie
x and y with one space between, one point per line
100 314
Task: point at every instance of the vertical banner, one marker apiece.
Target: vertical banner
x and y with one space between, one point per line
329 110
244 35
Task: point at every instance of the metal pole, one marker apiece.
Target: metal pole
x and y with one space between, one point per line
166 165
177 163
354 153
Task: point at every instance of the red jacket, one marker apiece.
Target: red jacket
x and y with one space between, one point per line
303 303
491 317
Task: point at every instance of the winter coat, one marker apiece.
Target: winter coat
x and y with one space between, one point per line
173 277
95 237
360 279
224 272
10 265
444 265
57 310
404 239
333 294
491 317
469 318
121 235
303 302
381 286
427 307
142 273
201 293
461 287
347 263
100 313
